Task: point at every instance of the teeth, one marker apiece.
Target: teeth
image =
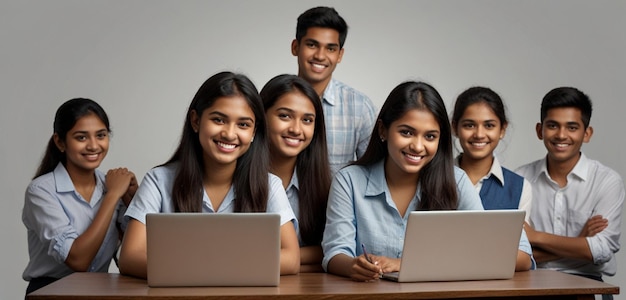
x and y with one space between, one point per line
413 157
318 66
227 146
561 145
292 141
479 144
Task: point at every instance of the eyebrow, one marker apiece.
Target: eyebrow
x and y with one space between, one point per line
227 117
293 111
413 129
87 132
318 43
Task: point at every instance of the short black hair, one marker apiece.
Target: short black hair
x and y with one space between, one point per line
324 17
567 97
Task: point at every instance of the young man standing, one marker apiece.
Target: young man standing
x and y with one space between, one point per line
349 114
577 202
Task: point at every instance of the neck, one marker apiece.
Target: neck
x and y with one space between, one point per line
399 179
218 174
283 168
80 177
559 170
476 169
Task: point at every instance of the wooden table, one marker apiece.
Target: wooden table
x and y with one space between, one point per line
538 284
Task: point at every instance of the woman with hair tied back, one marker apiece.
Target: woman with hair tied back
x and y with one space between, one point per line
221 165
72 211
299 156
479 121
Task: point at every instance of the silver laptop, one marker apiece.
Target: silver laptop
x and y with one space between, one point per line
210 249
460 245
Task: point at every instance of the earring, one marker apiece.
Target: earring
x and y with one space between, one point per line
382 139
252 140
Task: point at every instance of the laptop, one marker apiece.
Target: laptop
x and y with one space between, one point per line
460 245
210 249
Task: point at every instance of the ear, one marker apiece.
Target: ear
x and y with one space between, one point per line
194 119
58 142
503 131
294 47
539 131
382 131
588 134
340 55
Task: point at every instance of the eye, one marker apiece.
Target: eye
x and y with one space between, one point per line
283 116
217 120
430 137
102 135
572 128
308 120
245 125
80 138
468 125
332 49
490 125
311 45
406 132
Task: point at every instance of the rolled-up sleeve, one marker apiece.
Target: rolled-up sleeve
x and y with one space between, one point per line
340 231
605 244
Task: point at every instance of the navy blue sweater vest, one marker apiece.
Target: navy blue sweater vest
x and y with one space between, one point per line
494 195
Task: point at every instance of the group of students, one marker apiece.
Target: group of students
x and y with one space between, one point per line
311 149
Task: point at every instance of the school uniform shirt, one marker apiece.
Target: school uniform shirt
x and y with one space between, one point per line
292 190
154 195
55 215
592 189
349 118
360 210
525 201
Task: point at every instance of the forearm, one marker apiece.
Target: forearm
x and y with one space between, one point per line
523 262
311 255
563 247
341 265
543 256
133 254
86 246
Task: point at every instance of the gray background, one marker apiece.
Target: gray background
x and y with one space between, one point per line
144 60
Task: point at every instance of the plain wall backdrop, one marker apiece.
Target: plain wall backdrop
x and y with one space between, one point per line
144 60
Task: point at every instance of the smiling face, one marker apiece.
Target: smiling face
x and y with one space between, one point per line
225 130
85 145
479 130
412 141
318 54
291 124
563 133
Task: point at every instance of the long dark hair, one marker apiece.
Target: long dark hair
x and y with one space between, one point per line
438 185
250 179
64 120
313 168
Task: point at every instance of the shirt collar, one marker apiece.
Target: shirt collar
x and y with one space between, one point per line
330 93
376 179
294 180
496 169
580 170
62 179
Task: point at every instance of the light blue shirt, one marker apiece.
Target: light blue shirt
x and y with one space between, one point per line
360 210
349 118
154 195
55 215
292 191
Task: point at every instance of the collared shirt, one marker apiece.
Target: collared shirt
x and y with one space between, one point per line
55 215
349 117
525 201
154 195
360 210
292 190
592 189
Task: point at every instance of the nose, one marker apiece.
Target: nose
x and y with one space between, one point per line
479 132
92 144
560 134
319 53
228 132
295 128
417 145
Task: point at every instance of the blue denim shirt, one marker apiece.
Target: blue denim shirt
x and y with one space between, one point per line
360 210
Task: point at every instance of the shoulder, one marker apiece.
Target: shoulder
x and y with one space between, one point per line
530 170
603 172
164 172
349 93
353 172
45 182
510 175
